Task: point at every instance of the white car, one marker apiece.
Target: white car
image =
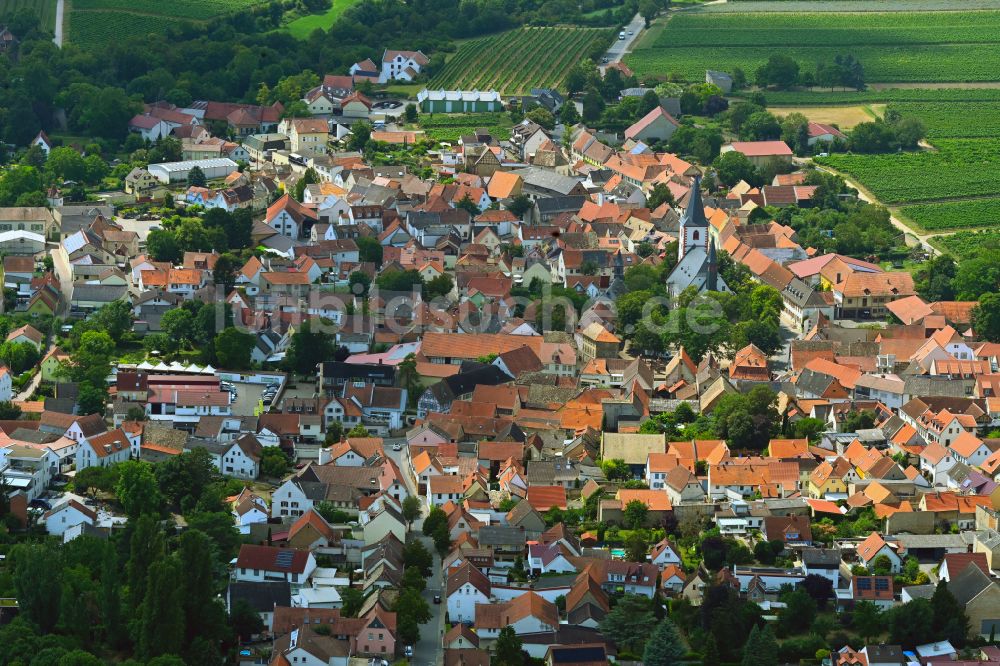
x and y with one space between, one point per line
397 447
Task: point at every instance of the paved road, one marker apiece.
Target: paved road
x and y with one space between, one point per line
58 39
35 381
620 47
429 651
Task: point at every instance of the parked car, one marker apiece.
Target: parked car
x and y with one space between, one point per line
397 447
408 650
437 598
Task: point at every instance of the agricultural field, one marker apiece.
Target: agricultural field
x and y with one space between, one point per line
957 168
448 127
44 9
94 22
516 61
968 214
844 117
892 46
304 26
849 97
965 244
951 120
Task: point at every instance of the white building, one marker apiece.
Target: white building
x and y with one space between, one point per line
466 587
257 564
66 515
103 450
174 172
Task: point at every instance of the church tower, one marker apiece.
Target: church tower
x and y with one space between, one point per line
693 230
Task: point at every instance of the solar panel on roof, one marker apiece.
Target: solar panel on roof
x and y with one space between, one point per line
881 583
283 560
864 583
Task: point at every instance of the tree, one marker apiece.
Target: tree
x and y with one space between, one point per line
273 462
411 508
359 282
820 588
912 623
950 622
635 513
986 317
361 134
542 116
359 431
411 611
761 126
649 10
37 581
410 113
438 287
798 613
196 177
629 623
246 621
732 167
568 114
660 195
138 490
507 650
353 599
521 204
234 348
636 546
867 620
178 325
416 555
593 105
435 517
308 349
780 71
369 250
413 579
161 622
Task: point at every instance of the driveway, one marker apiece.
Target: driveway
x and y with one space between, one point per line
429 651
620 47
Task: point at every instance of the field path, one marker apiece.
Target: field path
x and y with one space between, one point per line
866 196
60 12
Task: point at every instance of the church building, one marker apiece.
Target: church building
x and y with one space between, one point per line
697 263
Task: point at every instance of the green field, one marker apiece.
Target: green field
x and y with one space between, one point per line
969 214
302 27
96 22
846 97
448 127
958 168
516 61
44 9
966 244
892 46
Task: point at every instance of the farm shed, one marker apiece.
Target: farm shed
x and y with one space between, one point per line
173 172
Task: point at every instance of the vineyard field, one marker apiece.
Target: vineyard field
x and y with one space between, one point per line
965 244
958 168
519 60
95 22
840 6
970 214
846 97
916 46
950 120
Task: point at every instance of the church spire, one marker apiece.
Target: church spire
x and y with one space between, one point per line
694 214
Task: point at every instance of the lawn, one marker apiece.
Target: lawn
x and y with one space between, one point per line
518 60
892 46
95 22
450 126
958 168
304 26
44 9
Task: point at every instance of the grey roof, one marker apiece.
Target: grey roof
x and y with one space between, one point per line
821 558
969 584
262 597
938 386
920 591
931 540
550 582
499 535
548 180
105 293
553 205
694 214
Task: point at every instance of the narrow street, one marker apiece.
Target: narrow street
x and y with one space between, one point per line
60 11
429 651
620 47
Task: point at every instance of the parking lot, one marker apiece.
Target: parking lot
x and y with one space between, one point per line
248 396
